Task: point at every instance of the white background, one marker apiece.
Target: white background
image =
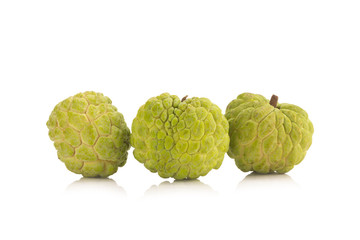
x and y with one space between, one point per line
307 52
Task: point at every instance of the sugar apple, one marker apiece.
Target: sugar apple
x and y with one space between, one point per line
265 136
90 135
183 139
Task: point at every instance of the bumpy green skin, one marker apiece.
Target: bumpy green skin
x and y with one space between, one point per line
90 136
265 139
183 140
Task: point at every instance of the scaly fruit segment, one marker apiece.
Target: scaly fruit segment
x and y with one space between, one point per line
180 139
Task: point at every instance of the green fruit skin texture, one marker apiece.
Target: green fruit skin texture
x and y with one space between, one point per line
90 135
182 140
265 139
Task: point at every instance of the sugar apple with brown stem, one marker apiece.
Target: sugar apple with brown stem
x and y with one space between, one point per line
265 136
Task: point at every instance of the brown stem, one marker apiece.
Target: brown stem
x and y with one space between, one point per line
274 101
184 98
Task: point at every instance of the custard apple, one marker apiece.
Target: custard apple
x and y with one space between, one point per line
90 135
265 136
183 139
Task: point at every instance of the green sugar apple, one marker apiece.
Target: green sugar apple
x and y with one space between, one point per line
90 135
180 139
265 136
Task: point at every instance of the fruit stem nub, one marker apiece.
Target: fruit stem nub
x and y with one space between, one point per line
274 101
184 98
